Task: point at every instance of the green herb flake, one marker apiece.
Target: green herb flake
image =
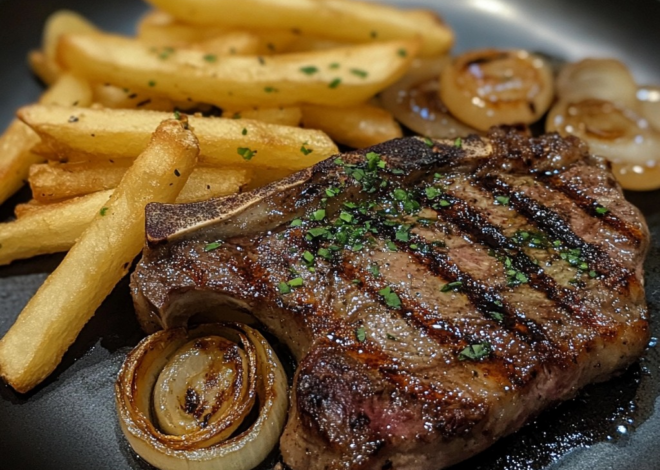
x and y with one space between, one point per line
432 192
391 299
236 116
334 65
359 73
502 200
600 210
308 257
103 211
152 83
296 282
325 253
592 274
497 316
177 115
332 192
402 233
452 286
318 232
458 143
334 83
475 352
374 270
270 89
428 142
402 53
244 131
210 58
318 215
309 70
304 150
391 246
246 153
346 217
296 223
360 335
283 287
212 246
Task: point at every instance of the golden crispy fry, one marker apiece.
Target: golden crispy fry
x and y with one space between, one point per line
47 70
345 20
54 182
313 43
102 255
285 116
98 135
114 97
160 29
338 77
355 126
17 141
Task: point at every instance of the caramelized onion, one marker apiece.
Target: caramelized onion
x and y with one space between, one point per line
649 101
491 87
601 79
637 177
414 101
181 396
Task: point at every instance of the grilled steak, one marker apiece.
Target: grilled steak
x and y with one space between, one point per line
436 294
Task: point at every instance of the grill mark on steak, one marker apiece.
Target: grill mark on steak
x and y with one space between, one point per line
590 205
615 275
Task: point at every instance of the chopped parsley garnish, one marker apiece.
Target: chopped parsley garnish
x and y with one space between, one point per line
592 274
244 131
600 210
475 352
360 73
270 89
497 316
236 116
308 258
177 115
334 83
452 286
296 223
334 65
332 192
360 334
374 270
391 299
346 217
284 288
432 192
152 83
317 232
296 282
325 253
391 246
402 52
428 142
458 143
212 246
103 211
391 337
246 153
210 57
402 233
502 200
310 70
305 151
318 215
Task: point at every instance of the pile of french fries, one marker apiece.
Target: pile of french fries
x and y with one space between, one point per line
248 92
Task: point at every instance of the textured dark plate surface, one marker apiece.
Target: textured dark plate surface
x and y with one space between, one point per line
69 422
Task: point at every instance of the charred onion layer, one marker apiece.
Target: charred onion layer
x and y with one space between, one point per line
182 394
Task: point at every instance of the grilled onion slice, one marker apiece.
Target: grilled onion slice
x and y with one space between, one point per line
415 102
490 87
181 395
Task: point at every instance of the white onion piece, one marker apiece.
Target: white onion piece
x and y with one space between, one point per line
649 100
490 87
618 134
188 381
602 79
637 177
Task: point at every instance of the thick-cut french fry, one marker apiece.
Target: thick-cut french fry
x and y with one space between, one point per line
96 135
47 70
114 97
337 77
160 29
52 319
285 116
355 126
52 183
17 141
335 19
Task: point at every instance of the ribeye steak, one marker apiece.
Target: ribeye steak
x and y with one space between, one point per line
436 294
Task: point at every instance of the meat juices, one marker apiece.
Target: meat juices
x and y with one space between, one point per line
437 294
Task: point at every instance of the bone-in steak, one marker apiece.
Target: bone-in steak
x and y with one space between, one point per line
436 294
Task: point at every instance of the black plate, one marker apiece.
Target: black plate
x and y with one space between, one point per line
69 421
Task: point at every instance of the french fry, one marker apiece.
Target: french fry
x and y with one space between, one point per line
17 141
337 77
355 126
47 70
160 29
345 20
59 23
114 97
98 135
285 116
52 183
52 319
